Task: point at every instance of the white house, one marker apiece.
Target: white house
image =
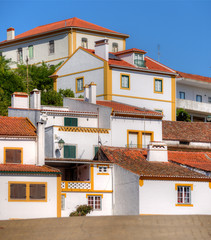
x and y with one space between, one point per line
55 42
29 189
126 76
194 95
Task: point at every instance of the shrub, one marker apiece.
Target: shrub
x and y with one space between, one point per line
81 210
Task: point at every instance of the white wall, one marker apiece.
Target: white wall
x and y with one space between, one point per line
160 197
29 149
28 209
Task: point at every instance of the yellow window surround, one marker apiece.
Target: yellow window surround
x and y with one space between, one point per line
89 194
27 192
183 185
127 75
160 79
76 85
139 137
13 148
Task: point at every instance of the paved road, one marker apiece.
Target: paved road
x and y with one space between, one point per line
112 228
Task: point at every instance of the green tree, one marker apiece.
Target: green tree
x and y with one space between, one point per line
182 115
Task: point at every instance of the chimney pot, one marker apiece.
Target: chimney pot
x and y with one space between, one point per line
10 33
102 49
92 93
157 151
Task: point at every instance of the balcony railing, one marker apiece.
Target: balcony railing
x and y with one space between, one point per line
140 63
76 185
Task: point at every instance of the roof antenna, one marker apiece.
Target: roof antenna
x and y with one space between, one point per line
158 52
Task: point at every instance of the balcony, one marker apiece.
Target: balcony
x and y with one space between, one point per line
140 63
79 186
194 107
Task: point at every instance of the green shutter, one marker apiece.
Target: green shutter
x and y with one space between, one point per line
69 151
31 52
70 122
96 150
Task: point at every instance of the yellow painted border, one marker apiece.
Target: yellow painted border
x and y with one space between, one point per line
103 174
128 75
14 148
69 43
210 185
184 185
173 99
76 90
107 82
59 198
147 132
27 192
92 176
74 39
88 194
155 78
64 194
141 182
124 44
88 70
55 82
104 165
184 205
140 133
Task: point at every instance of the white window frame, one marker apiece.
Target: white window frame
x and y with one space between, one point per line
51 42
102 169
184 198
94 202
84 42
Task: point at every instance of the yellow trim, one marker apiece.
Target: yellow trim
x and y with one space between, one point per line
103 174
55 82
69 43
139 137
92 176
184 185
124 88
210 185
121 38
104 165
107 82
27 192
124 44
64 194
184 205
155 78
74 40
49 61
65 75
126 96
88 194
59 199
76 85
87 190
141 182
14 148
147 132
83 129
173 99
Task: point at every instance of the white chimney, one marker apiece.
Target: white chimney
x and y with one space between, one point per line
35 96
10 33
41 140
157 151
86 93
102 49
20 100
92 93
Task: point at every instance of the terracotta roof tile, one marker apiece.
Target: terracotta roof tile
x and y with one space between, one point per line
16 126
125 108
135 50
72 22
194 77
199 160
154 65
27 168
135 161
186 131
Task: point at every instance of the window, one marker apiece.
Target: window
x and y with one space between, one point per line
139 60
79 84
70 122
84 42
125 81
20 55
209 99
133 139
63 201
31 52
183 194
147 137
51 47
102 169
114 47
198 98
69 151
27 191
13 155
182 95
158 85
95 202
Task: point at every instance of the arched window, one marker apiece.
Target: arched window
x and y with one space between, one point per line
114 47
84 42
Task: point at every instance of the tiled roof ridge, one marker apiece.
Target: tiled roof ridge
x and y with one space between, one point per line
193 74
163 65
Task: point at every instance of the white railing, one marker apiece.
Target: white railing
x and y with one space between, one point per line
75 185
199 107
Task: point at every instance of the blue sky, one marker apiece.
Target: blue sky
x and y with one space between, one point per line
181 28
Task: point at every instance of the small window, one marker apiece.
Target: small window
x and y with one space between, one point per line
125 81
18 191
70 122
84 42
79 84
69 151
31 52
184 142
13 155
182 95
183 195
139 60
102 169
147 138
198 98
114 47
37 191
51 47
20 55
209 99
95 202
96 149
63 202
158 85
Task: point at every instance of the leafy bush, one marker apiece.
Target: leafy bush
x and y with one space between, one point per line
81 210
182 115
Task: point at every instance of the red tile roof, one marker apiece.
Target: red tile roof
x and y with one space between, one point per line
194 77
125 108
134 50
186 131
199 160
16 126
135 161
72 22
23 168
